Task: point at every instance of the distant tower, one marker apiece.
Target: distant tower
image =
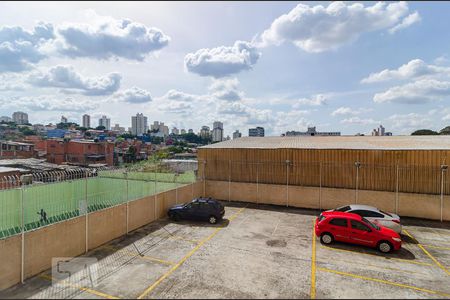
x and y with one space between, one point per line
86 121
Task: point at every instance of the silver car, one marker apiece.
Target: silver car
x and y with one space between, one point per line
371 213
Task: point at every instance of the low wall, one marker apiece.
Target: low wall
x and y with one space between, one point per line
10 250
68 238
409 204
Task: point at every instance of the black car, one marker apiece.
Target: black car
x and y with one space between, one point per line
198 209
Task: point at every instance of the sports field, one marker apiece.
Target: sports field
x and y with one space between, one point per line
67 199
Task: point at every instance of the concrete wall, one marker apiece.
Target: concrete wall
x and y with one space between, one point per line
68 238
10 252
409 204
63 239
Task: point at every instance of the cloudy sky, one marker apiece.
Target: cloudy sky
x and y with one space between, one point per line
341 66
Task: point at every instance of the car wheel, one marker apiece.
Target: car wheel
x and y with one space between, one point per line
384 247
326 238
212 219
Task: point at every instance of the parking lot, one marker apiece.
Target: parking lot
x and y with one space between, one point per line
257 251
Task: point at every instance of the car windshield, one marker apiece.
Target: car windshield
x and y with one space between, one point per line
343 208
375 226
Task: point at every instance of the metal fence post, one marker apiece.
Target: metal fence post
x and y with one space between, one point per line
87 211
287 183
320 185
176 188
257 183
357 165
443 170
396 188
156 199
229 180
22 263
127 203
204 179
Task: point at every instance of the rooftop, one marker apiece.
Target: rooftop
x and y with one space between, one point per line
440 142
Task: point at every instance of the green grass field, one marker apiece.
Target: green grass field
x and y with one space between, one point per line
64 200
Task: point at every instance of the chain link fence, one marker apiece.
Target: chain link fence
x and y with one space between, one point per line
429 180
32 201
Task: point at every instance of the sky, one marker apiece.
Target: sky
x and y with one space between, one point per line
339 66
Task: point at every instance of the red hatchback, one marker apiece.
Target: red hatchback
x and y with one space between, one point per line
352 228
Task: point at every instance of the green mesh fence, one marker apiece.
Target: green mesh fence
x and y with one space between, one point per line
64 200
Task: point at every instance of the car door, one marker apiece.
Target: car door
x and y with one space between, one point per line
339 229
191 211
361 234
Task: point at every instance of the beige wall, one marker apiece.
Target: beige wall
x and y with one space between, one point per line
141 212
68 238
106 225
10 252
63 239
409 204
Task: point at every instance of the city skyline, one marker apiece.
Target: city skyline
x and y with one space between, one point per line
261 70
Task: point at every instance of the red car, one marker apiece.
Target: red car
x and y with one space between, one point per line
352 228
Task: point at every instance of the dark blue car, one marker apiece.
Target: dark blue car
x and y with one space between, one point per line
205 209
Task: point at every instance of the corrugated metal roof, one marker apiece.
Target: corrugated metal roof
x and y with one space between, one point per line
440 142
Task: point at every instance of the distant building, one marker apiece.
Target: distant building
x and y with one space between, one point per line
175 131
237 134
105 122
20 117
217 132
312 132
190 131
258 131
79 152
86 121
56 133
205 132
5 119
10 149
63 119
139 124
183 131
160 127
380 131
118 129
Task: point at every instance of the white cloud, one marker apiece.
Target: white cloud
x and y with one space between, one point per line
318 28
20 49
406 22
342 111
70 81
109 38
179 96
316 100
226 89
133 95
406 123
418 92
222 61
49 103
359 121
413 69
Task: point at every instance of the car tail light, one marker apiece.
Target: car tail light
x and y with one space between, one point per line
396 221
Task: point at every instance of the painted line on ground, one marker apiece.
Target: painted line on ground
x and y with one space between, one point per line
436 247
84 289
175 267
312 291
385 282
137 255
379 256
375 266
428 253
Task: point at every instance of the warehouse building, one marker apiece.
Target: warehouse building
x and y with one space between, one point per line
403 174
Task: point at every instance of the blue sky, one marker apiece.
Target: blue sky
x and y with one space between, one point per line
344 66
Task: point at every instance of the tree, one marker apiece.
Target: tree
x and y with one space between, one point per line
100 128
424 132
445 131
